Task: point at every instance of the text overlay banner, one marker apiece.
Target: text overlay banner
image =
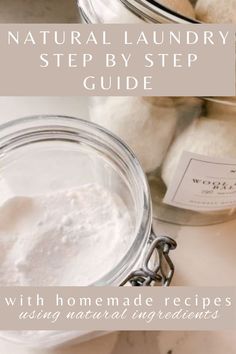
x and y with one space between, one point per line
131 60
117 308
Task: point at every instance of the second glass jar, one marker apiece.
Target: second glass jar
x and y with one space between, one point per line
185 145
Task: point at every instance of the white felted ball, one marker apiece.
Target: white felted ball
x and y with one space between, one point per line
216 11
209 136
184 7
147 125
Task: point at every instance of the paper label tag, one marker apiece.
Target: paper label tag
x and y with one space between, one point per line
203 183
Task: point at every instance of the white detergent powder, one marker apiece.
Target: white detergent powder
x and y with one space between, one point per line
108 11
69 237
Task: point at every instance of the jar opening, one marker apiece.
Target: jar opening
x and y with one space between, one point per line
28 145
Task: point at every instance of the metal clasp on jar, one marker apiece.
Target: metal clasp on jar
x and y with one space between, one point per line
161 273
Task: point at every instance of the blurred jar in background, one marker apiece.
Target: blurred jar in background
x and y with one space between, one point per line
167 133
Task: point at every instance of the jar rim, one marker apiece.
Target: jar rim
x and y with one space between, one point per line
146 7
150 10
13 130
229 101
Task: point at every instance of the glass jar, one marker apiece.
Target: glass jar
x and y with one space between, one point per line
136 11
196 180
42 154
149 125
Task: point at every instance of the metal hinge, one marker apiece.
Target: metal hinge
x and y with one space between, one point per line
161 271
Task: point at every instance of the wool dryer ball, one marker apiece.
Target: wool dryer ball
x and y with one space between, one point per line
184 7
146 124
212 136
216 11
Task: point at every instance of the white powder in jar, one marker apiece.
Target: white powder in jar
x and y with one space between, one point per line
146 124
212 136
66 238
107 11
216 11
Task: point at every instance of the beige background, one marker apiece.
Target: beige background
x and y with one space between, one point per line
214 247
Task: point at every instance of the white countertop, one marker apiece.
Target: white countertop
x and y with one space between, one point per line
205 255
145 342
